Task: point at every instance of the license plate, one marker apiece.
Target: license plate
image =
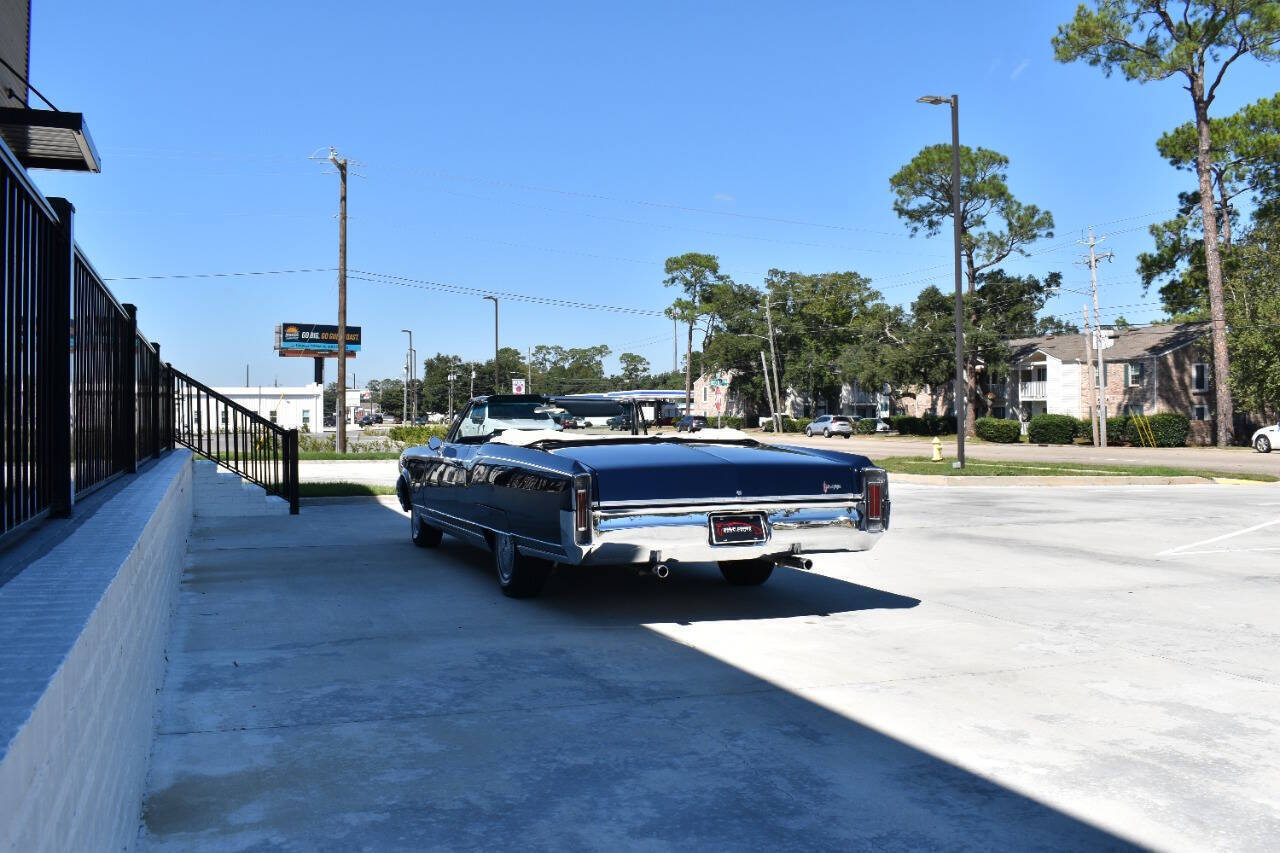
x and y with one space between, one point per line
737 528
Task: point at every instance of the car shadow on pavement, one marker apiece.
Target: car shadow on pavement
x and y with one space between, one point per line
389 698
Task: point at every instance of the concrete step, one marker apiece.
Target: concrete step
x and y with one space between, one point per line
218 492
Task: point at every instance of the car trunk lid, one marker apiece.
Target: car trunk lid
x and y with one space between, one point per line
675 472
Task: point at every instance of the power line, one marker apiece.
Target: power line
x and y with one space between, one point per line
427 284
218 274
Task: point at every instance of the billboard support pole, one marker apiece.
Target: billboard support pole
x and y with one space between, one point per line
341 164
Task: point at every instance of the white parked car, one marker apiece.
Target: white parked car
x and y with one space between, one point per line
1266 438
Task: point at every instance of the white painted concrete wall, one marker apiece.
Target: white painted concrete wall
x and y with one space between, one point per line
82 634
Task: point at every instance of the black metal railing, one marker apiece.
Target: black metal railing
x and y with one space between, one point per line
85 395
30 329
237 437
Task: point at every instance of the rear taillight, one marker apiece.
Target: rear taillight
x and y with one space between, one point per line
582 509
875 499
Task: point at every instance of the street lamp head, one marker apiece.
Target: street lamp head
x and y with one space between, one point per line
936 100
494 298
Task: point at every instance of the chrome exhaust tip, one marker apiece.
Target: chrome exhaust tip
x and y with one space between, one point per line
794 561
661 571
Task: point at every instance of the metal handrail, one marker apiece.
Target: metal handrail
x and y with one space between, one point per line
235 437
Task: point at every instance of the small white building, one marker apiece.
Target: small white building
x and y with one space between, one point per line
299 407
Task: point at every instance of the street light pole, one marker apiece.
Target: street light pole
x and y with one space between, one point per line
409 369
961 394
496 388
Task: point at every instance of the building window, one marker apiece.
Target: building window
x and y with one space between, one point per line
1132 409
273 415
1199 412
1200 377
306 417
704 394
1135 373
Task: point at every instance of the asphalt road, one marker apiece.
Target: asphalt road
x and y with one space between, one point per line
1053 669
1224 459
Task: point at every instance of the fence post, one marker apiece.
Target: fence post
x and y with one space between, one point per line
57 354
157 384
291 469
171 416
129 406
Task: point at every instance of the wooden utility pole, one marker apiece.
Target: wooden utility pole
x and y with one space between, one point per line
340 163
768 392
1092 262
1088 365
777 388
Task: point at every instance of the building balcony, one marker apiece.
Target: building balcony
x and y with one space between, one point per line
1032 390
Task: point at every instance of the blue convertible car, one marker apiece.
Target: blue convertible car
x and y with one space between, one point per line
508 479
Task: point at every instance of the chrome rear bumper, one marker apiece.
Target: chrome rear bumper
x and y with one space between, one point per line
644 535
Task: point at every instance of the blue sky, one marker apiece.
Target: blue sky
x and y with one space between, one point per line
564 150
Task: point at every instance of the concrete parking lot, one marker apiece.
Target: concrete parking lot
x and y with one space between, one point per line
1229 459
1055 669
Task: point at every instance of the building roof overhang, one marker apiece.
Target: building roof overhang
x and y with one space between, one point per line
49 139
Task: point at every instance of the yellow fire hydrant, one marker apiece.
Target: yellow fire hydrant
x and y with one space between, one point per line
937 449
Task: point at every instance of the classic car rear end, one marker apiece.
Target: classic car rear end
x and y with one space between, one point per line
535 498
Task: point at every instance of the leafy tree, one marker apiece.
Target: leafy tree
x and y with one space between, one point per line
510 365
1253 312
694 273
993 223
1246 149
390 396
635 369
1198 41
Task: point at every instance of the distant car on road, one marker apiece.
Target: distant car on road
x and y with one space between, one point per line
829 425
880 426
1266 438
566 420
619 422
691 423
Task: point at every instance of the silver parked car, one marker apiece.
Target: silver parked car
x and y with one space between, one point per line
829 425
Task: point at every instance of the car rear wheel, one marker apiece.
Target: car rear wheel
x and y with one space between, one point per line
844 435
746 572
826 433
1263 444
519 575
423 534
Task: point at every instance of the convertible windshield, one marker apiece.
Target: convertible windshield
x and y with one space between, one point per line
518 412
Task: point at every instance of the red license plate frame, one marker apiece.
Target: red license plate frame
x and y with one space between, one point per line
737 528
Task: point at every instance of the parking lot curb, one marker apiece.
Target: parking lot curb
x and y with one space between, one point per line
1051 482
385 500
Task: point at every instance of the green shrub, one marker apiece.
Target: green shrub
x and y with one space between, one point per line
415 435
1169 429
727 421
998 430
864 426
935 425
315 443
907 424
1118 430
1084 429
1052 429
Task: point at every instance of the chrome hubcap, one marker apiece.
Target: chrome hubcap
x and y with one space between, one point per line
506 550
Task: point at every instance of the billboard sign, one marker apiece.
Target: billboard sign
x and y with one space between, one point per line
517 386
314 339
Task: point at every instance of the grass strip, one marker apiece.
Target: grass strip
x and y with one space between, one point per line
342 490
350 456
980 468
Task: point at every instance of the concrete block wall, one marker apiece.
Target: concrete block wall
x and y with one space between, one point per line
82 634
221 493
